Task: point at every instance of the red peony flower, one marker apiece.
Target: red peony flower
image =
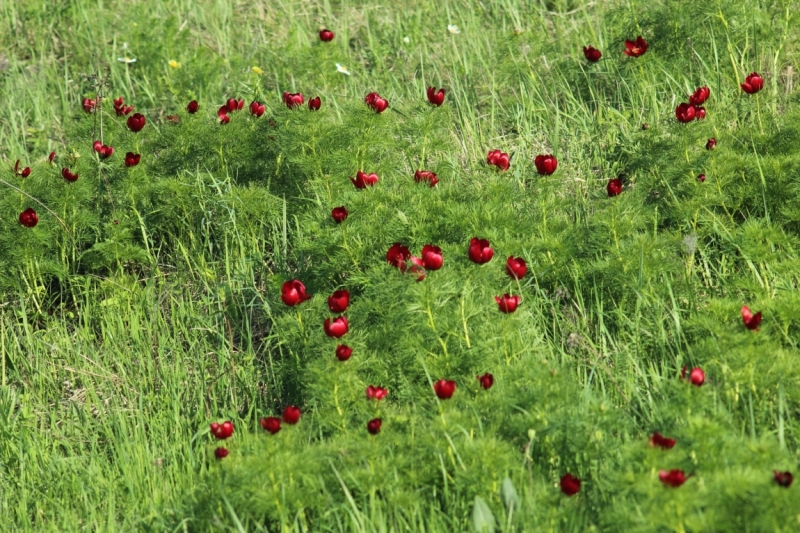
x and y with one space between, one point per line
699 112
516 267
28 218
444 389
479 251
221 453
487 380
376 393
25 172
257 108
751 321
291 415
362 180
271 424
673 478
222 113
293 292
131 159
426 175
343 352
293 99
697 377
103 151
434 97
376 103
51 157
784 479
374 426
67 175
234 105
89 105
753 83
592 54
498 159
314 103
192 107
700 95
507 303
711 144
701 178
120 108
570 485
432 258
136 122
685 113
659 440
336 329
545 164
339 301
339 214
614 187
222 431
397 255
326 35
635 48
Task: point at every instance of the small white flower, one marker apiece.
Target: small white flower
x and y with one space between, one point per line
343 70
452 28
406 40
126 60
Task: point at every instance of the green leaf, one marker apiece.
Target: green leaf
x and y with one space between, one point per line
509 495
482 517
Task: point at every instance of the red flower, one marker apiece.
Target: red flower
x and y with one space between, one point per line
222 113
699 112
234 105
635 48
314 103
257 108
376 393
131 159
397 255
326 35
67 175
136 122
89 105
487 380
293 292
545 164
374 426
592 54
343 352
426 175
673 478
507 303
291 415
362 180
614 187
28 218
221 453
784 479
51 157
711 144
685 113
697 377
751 321
753 83
432 258
701 178
293 99
339 214
338 301
222 431
570 485
516 267
417 268
444 389
376 103
657 439
434 97
700 95
104 151
479 251
337 329
25 172
271 424
120 108
192 107
498 159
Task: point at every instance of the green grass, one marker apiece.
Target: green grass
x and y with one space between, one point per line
146 303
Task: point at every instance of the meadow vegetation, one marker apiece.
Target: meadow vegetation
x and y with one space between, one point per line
150 298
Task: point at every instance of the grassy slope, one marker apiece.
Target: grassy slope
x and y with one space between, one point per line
106 408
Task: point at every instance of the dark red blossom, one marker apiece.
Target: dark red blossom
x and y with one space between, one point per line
487 380
592 54
507 303
221 453
435 98
700 95
121 109
545 164
660 441
343 352
326 35
753 83
293 292
339 301
234 105
444 389
614 187
88 105
222 431
362 180
397 255
28 218
336 329
673 478
711 144
479 251
685 112
293 99
516 267
136 122
291 415
376 103
271 424
22 172
67 175
417 268
432 257
374 426
751 321
635 48
257 108
339 214
784 479
498 159
696 376
699 112
103 151
131 159
314 103
222 113
570 485
701 178
427 176
192 107
376 393
51 157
